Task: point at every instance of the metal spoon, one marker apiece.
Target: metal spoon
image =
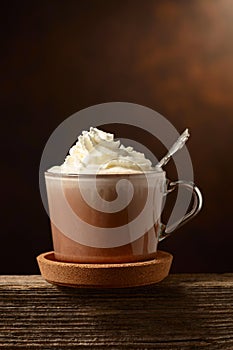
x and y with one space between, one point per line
175 147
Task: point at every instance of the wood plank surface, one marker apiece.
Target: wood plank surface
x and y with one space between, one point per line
182 312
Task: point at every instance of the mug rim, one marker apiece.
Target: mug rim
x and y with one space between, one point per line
102 175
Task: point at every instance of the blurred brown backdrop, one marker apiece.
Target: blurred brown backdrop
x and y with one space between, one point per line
173 56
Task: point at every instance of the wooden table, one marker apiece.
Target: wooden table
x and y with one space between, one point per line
182 312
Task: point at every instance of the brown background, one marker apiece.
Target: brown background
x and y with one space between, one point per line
173 56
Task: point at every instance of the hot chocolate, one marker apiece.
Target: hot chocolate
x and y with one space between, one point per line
94 219
105 202
82 233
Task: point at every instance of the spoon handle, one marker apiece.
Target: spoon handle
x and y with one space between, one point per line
175 147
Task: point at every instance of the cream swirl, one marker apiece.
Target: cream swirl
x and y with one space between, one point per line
96 151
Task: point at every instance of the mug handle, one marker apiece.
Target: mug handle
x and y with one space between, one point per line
197 205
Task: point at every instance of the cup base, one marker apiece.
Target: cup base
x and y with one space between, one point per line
101 259
119 275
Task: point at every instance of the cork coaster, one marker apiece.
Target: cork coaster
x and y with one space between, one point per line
104 275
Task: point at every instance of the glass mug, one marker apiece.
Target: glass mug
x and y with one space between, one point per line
113 218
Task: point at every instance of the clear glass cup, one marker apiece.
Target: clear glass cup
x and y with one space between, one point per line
113 218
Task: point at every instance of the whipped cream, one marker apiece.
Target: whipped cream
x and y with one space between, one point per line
96 151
